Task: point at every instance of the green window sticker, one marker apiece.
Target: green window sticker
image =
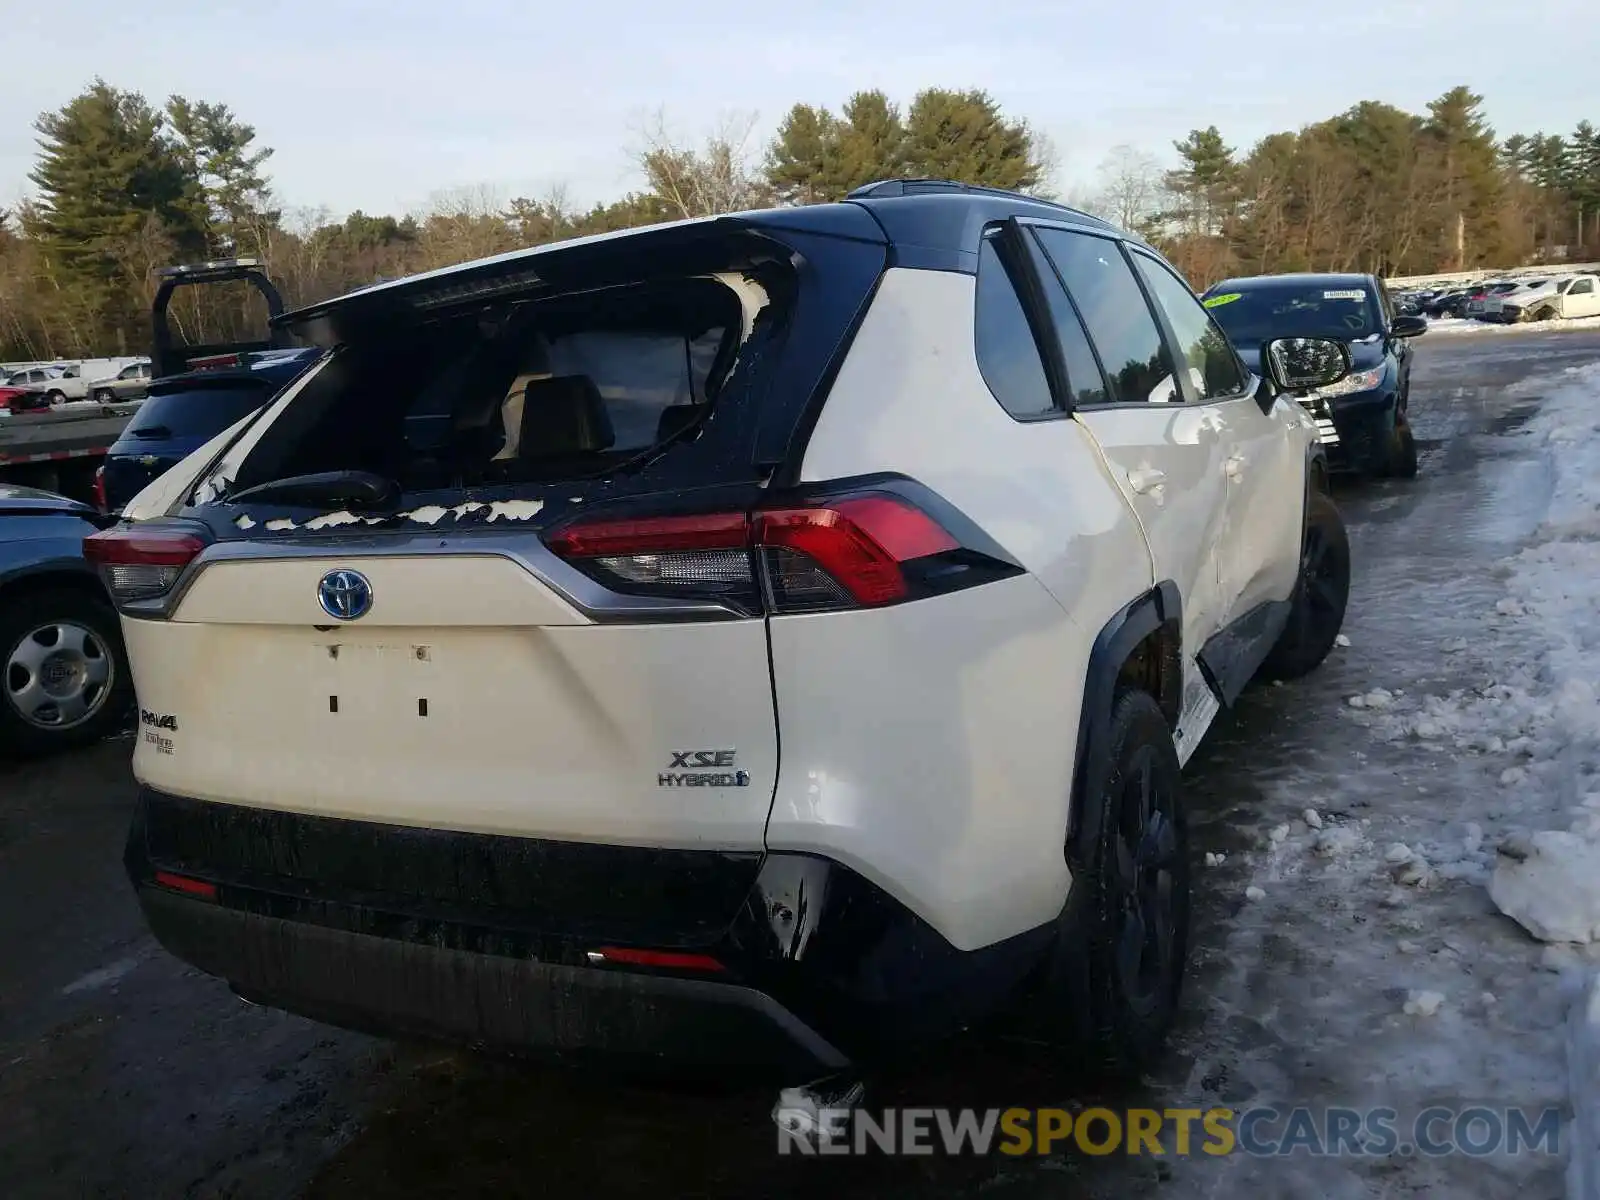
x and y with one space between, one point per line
1218 301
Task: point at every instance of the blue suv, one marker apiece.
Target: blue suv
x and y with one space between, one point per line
1362 418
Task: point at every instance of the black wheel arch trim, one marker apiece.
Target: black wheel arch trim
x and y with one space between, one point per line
1112 648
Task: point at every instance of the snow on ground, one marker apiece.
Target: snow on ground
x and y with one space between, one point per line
1537 731
1455 325
1543 716
1369 964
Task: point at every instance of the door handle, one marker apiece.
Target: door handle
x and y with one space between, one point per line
1146 479
1234 467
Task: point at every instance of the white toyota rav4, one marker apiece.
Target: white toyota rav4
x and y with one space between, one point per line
759 641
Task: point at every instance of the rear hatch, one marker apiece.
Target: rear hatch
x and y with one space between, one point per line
461 575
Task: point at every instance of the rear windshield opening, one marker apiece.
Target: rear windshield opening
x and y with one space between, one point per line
538 391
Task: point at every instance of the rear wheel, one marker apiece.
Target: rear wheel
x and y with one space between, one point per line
1112 987
105 395
1321 594
55 397
64 680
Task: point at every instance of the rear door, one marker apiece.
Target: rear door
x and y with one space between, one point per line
1167 456
1259 551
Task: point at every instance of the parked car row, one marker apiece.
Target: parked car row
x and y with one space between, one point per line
1510 301
37 388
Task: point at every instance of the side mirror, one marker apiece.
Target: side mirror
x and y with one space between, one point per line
1408 326
1303 364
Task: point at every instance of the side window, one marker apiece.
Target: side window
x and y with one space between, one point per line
1083 369
1115 313
1008 356
1584 287
1213 366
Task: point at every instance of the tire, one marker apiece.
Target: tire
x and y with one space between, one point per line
105 396
1321 595
50 644
1111 990
1544 314
55 398
1400 451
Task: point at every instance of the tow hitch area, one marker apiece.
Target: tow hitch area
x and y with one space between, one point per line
817 1114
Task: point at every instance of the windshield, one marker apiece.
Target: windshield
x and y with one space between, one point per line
1252 314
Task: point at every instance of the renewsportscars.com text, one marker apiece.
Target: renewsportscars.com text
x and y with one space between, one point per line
1477 1131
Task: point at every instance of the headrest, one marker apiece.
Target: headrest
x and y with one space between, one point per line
563 415
675 418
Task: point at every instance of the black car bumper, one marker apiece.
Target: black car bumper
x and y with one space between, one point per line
754 962
1355 429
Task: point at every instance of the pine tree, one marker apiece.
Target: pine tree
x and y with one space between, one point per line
963 136
803 156
216 150
1471 179
112 189
1206 184
871 143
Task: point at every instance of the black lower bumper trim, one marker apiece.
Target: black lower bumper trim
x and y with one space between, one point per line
496 1003
489 939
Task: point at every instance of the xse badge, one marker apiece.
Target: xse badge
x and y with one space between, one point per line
702 768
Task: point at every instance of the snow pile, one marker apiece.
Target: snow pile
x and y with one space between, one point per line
1455 325
1550 885
1550 882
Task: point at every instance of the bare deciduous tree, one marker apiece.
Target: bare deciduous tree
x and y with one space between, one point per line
719 177
1130 191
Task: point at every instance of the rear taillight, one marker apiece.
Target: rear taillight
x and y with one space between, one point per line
141 564
858 550
100 488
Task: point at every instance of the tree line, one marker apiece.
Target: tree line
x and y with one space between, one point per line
123 186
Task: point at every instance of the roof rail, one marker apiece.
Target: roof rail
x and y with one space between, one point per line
924 186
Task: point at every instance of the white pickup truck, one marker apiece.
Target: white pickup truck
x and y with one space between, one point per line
1563 296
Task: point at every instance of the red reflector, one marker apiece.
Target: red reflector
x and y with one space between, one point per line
190 887
135 547
651 535
675 959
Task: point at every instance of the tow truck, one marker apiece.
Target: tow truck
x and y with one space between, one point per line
59 450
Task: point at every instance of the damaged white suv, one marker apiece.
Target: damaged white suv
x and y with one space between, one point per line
760 641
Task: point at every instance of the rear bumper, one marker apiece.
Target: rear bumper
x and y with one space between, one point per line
487 941
389 986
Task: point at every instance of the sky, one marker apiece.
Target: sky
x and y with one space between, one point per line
386 107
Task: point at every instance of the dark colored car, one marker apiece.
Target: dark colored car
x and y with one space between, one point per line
184 412
1362 418
1452 303
63 678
